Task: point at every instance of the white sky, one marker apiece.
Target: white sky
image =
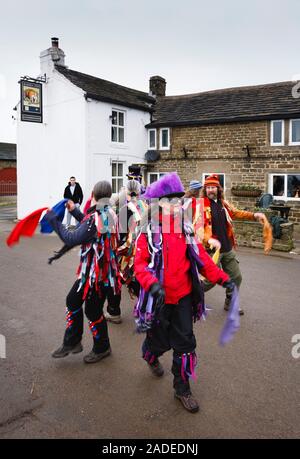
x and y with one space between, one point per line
196 45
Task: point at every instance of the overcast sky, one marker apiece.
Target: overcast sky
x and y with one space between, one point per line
195 45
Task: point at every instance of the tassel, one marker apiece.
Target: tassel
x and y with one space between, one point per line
267 235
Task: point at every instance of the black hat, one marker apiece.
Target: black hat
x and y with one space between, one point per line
134 172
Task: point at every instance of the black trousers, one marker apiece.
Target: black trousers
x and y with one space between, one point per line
176 332
93 311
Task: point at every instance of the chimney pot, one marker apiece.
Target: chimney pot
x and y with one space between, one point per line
157 86
54 42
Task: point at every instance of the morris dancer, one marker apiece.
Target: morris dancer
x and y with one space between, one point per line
167 265
219 234
98 273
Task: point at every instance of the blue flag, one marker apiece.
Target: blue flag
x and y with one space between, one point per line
59 209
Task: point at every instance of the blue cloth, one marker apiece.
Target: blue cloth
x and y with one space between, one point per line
232 323
59 210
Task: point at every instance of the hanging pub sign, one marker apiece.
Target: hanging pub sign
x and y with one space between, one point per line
31 101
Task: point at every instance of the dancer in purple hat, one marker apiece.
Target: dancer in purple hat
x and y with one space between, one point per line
167 265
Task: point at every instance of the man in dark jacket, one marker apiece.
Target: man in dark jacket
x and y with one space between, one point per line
73 192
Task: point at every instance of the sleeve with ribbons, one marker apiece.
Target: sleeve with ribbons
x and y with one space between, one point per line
84 234
141 261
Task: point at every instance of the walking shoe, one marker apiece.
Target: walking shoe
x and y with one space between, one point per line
227 304
94 357
156 368
188 401
113 319
63 350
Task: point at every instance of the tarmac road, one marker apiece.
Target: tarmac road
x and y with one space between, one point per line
249 389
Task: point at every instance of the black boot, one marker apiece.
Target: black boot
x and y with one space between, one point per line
65 350
156 368
94 357
188 401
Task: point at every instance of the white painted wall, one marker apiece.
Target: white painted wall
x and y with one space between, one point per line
74 139
49 153
101 151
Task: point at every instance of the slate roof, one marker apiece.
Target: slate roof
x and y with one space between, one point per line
106 91
268 101
8 151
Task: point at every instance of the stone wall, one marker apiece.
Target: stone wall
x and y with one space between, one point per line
219 148
249 234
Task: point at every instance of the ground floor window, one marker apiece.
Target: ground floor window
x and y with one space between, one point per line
220 175
154 176
285 186
117 176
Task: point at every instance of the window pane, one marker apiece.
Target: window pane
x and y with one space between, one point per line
121 134
277 137
293 186
120 169
152 139
120 184
114 134
114 187
121 119
153 178
278 185
296 131
114 169
165 138
114 119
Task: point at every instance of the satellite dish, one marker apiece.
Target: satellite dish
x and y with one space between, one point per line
152 155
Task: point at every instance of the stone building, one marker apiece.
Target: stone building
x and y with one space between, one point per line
248 135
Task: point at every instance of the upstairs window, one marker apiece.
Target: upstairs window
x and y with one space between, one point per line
116 176
118 126
277 132
295 132
152 139
164 139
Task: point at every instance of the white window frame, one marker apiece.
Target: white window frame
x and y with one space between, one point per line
160 139
284 197
159 175
117 142
214 173
290 137
117 177
155 133
277 144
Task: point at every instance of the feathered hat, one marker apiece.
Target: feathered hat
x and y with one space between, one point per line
167 186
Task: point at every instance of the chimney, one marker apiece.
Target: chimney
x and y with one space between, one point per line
157 86
52 56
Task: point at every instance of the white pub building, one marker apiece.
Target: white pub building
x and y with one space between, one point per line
73 124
